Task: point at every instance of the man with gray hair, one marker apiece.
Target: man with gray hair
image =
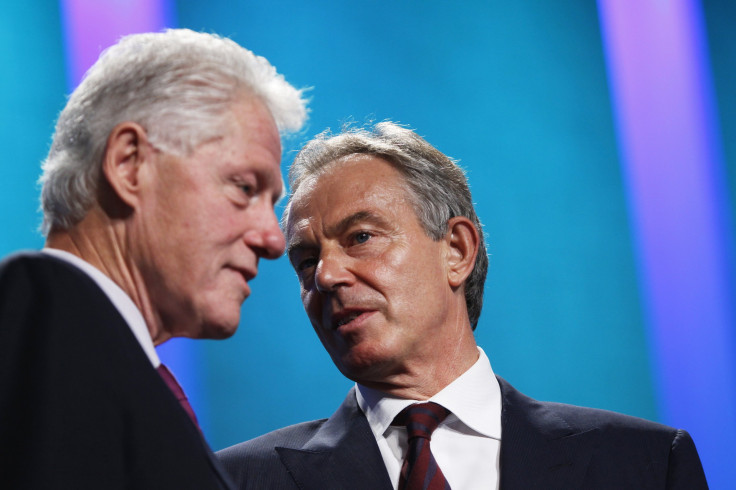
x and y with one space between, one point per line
158 197
391 261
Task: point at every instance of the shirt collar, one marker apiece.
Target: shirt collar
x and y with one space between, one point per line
474 398
122 302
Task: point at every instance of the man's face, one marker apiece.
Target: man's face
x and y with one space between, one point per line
373 284
204 222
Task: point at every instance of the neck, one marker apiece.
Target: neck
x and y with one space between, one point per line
101 242
428 373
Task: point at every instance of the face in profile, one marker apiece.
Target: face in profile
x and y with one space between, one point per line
373 283
205 221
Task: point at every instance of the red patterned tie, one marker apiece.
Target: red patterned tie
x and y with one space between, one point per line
420 470
175 388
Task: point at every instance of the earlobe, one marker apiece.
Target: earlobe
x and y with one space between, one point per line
463 241
127 149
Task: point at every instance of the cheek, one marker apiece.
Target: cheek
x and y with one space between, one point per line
311 306
409 280
218 226
392 273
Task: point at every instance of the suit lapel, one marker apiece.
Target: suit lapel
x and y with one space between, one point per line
223 477
342 454
538 448
118 330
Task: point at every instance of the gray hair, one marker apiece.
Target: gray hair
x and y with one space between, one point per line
437 186
178 85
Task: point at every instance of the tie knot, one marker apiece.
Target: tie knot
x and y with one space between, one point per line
421 419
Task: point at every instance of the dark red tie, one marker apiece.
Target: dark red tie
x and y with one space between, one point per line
420 470
175 388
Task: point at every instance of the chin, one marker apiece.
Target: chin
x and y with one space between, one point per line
219 328
219 334
361 368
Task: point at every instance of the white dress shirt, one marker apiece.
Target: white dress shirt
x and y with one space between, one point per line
122 302
466 445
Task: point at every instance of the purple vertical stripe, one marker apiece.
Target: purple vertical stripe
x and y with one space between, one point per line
92 25
672 163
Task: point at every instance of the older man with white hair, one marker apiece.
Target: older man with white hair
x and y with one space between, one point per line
158 199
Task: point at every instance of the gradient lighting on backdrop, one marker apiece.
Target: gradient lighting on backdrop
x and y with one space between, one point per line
672 163
90 26
95 25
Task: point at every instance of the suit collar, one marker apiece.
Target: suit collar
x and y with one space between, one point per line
474 398
342 454
538 448
119 298
223 477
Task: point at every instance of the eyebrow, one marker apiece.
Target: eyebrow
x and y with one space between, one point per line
342 225
349 221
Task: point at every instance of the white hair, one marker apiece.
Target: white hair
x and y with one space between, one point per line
178 85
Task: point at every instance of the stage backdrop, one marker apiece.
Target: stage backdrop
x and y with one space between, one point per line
524 94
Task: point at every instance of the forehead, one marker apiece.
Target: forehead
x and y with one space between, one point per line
251 142
253 125
352 184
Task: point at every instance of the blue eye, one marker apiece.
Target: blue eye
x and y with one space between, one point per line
362 237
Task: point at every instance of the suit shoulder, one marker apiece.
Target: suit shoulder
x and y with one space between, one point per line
635 452
560 419
259 455
565 416
668 452
606 420
38 270
20 263
35 285
28 258
293 436
56 317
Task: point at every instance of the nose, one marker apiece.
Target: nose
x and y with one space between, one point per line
332 271
265 236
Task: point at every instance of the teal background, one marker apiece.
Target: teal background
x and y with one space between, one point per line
516 91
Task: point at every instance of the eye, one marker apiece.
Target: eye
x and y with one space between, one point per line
302 260
362 237
248 189
305 264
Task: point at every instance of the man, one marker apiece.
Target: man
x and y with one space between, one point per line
391 261
158 196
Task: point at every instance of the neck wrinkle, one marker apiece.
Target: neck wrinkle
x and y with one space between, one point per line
102 244
423 381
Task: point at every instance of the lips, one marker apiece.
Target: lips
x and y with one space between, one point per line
352 316
348 319
246 272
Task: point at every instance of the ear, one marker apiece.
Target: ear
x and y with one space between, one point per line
127 149
462 240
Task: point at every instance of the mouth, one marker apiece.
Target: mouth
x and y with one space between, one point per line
352 317
247 274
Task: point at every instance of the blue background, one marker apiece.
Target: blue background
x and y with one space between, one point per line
517 91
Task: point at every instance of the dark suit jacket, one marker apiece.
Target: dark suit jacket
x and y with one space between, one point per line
81 406
544 446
